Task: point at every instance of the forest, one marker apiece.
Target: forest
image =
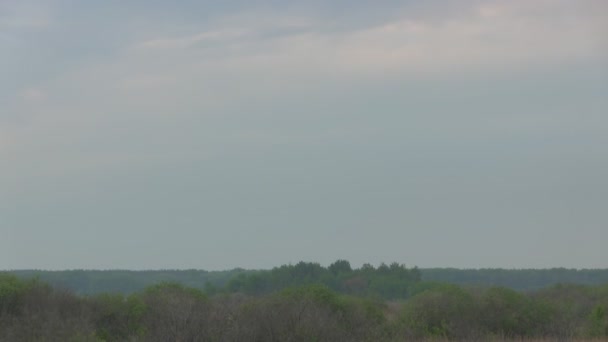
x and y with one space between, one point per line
303 302
87 282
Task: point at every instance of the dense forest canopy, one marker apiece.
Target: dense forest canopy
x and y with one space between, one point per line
386 280
31 310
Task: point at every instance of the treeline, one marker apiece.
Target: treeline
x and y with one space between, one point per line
517 279
386 281
260 281
392 281
31 310
86 282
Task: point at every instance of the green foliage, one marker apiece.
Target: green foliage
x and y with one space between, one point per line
171 288
118 318
571 306
425 286
11 291
173 312
302 302
91 282
505 312
447 311
340 277
516 279
312 313
34 311
598 322
317 294
340 266
386 281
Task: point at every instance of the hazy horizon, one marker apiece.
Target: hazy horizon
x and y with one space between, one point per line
214 135
355 266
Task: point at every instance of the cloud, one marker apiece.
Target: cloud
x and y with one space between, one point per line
505 35
493 35
239 59
191 40
337 113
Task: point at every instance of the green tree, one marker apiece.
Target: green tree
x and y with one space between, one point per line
505 312
447 312
340 267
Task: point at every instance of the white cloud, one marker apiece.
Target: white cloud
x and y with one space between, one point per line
498 35
513 34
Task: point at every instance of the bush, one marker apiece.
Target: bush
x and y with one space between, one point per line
447 311
507 313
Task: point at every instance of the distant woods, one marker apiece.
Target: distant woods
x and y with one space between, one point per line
31 310
304 302
389 281
385 281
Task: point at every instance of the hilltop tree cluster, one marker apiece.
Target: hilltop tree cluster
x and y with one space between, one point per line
386 281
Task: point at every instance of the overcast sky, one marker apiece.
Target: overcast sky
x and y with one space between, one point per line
221 134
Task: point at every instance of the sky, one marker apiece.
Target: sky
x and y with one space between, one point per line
221 134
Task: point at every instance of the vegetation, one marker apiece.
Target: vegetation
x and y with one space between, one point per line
387 281
304 302
87 282
516 279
